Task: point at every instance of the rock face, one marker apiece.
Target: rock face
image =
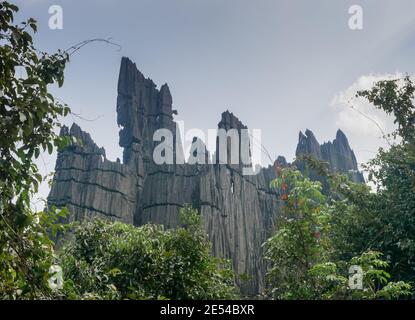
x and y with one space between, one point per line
238 210
90 185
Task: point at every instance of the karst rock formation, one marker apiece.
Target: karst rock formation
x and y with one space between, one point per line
238 210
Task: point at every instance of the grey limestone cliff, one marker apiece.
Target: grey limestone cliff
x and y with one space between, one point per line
238 210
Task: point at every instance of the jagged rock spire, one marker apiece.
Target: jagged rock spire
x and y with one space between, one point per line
308 144
141 110
338 153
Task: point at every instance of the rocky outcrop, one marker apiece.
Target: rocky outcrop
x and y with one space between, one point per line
337 154
90 185
341 157
238 210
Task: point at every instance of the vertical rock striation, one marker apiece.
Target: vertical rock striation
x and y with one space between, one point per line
90 185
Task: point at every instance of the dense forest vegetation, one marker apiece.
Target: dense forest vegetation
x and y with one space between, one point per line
321 239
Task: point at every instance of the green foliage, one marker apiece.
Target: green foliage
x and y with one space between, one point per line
331 280
395 98
362 225
385 220
27 254
303 254
28 112
28 117
119 261
300 240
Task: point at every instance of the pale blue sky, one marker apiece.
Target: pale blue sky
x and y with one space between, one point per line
279 65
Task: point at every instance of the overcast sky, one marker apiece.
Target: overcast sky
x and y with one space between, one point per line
280 65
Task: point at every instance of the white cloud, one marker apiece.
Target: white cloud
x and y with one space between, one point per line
357 114
360 120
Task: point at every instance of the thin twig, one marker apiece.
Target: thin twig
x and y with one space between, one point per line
85 119
374 121
78 115
70 51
